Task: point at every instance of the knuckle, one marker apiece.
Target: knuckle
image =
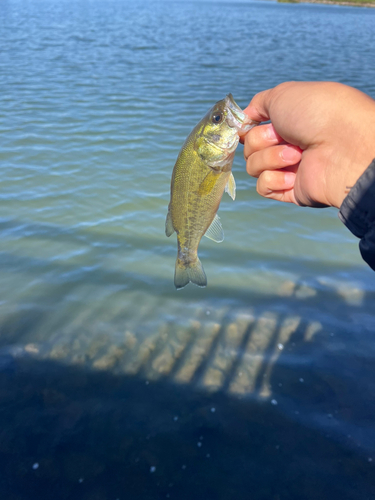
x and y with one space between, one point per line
267 178
250 166
262 188
272 157
250 143
270 181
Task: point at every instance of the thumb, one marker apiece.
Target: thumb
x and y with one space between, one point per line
258 109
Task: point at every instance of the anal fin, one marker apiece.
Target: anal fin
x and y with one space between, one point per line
215 231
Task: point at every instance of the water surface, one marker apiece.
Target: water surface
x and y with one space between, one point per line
259 386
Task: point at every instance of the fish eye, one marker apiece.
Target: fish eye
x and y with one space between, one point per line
217 117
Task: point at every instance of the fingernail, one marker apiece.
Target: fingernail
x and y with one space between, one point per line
290 154
289 178
271 133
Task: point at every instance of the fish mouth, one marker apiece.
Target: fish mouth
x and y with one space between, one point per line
236 118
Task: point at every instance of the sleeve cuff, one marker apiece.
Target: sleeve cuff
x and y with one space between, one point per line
357 212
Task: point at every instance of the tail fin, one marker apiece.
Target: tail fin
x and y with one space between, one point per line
189 272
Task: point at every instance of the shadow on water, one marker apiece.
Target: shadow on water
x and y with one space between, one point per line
197 423
67 432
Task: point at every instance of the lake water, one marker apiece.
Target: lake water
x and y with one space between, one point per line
112 384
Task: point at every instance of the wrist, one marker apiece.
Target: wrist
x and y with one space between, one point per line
352 179
344 175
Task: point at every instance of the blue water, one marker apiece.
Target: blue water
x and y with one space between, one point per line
112 384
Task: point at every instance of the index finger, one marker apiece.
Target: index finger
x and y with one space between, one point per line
258 109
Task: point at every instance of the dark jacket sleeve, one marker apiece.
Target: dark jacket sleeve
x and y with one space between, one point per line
357 212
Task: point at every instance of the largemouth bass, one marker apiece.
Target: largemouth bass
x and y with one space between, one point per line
201 174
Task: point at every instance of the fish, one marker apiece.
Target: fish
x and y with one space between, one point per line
202 172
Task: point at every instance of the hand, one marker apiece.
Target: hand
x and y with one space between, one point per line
321 139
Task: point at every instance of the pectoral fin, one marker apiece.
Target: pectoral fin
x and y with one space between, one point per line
230 187
215 231
168 225
208 183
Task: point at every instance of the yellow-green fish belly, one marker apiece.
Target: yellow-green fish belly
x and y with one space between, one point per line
193 208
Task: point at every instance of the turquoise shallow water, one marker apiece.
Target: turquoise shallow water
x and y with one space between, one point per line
106 370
